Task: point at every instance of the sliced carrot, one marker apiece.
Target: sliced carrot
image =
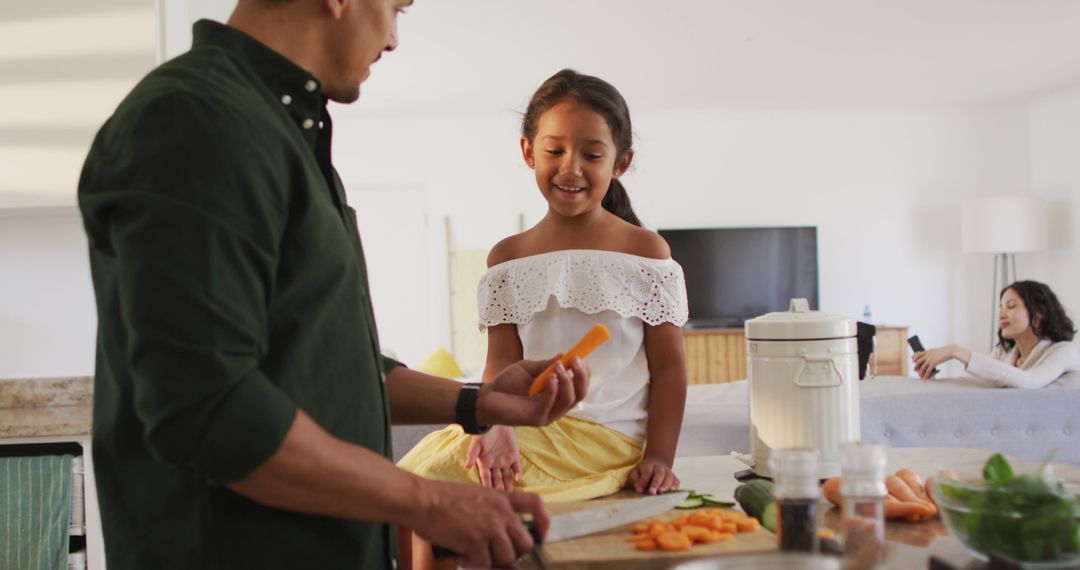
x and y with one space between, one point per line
596 336
657 528
696 533
640 528
638 537
748 525
645 545
673 541
701 519
723 536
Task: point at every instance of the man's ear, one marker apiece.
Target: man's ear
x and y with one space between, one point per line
337 8
527 152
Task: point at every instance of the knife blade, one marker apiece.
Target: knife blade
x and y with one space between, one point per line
589 521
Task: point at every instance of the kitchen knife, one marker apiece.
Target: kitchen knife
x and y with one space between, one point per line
589 521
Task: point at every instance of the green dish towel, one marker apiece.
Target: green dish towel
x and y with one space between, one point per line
35 512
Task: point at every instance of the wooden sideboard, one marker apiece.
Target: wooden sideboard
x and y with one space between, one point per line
714 356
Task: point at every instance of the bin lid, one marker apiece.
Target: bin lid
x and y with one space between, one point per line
800 323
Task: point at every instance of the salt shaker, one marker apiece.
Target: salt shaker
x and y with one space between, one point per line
797 492
862 471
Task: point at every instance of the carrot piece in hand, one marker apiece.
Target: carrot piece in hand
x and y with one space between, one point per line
596 336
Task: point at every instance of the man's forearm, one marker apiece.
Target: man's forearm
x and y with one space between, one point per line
418 398
315 473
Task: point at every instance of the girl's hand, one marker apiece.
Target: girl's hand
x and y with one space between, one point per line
652 476
497 458
927 361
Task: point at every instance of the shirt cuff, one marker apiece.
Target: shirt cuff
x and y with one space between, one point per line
390 363
248 427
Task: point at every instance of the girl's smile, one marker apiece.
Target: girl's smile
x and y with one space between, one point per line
573 154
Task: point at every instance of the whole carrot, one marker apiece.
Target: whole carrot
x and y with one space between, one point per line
596 336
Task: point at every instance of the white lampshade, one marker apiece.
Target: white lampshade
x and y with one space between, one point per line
1004 224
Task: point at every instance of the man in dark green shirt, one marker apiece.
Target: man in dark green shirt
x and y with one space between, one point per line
241 405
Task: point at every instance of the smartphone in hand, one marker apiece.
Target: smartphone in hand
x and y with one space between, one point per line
917 346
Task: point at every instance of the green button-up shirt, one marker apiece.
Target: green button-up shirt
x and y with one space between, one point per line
231 291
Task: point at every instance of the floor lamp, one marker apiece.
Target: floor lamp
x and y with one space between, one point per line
1003 226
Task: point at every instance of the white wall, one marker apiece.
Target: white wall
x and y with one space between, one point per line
1055 176
47 315
883 186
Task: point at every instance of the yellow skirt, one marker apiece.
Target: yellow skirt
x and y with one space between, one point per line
569 460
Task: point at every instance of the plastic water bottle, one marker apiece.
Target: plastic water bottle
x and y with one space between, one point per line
866 316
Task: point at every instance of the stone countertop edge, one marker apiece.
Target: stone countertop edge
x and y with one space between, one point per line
46 407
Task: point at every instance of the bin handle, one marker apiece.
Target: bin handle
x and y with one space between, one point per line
799 306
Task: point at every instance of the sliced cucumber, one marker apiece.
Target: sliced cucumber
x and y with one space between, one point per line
691 503
714 501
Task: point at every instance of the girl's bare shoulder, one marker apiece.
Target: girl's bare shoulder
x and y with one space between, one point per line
642 242
511 247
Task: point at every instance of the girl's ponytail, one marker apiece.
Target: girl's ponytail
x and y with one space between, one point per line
617 201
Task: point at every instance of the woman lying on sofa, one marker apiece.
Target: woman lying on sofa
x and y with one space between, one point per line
1034 342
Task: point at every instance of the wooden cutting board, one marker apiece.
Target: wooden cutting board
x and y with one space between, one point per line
609 549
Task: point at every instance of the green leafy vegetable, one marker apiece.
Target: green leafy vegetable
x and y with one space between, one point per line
997 470
1028 517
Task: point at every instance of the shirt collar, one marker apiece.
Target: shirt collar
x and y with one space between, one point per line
295 88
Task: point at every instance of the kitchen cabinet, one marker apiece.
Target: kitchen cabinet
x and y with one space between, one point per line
51 416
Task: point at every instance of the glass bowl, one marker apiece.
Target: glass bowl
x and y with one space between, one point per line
1033 520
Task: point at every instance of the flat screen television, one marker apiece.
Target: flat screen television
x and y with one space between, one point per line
736 274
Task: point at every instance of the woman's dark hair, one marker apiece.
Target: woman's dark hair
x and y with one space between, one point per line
1048 318
602 97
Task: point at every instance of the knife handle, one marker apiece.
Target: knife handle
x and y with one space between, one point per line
442 553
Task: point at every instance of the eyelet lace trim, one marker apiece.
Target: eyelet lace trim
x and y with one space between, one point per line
590 281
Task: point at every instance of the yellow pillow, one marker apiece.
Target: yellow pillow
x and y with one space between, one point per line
440 363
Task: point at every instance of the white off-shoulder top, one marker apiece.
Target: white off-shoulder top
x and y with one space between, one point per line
1046 363
554 298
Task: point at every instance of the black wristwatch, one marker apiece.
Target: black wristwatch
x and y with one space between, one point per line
465 411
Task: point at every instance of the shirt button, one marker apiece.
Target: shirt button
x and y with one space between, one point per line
311 86
286 99
308 123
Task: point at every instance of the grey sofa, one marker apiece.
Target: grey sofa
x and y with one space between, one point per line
900 412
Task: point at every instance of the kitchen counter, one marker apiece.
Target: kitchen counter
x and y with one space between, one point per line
46 407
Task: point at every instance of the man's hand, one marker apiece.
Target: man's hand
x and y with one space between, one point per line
505 400
652 476
496 457
479 523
